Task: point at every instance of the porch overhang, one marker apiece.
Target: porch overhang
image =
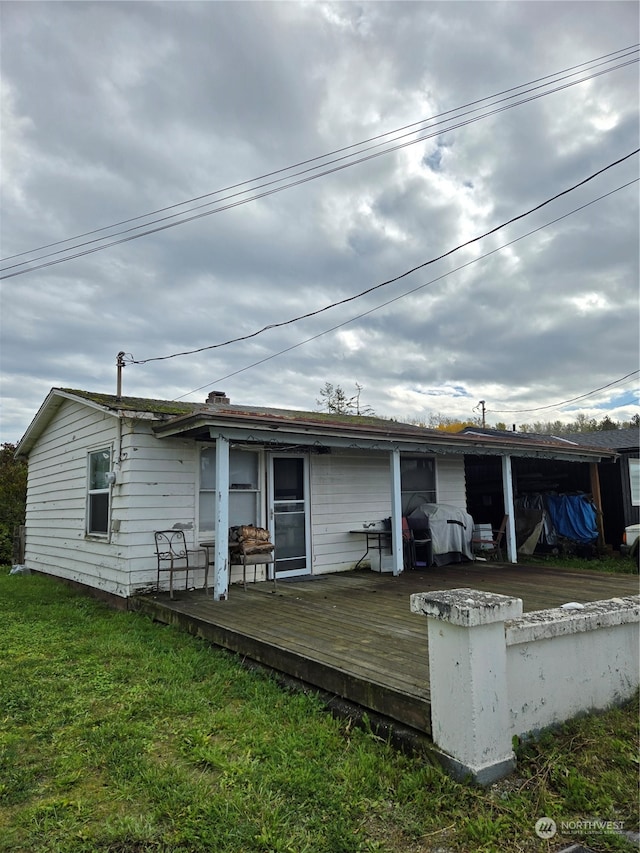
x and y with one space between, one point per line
280 438
278 434
318 433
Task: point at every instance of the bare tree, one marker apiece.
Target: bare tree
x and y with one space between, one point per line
356 407
334 400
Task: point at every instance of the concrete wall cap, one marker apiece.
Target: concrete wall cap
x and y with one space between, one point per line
466 607
556 622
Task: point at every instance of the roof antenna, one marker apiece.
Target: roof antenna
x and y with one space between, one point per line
119 366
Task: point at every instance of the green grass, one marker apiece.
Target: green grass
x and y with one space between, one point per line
118 735
599 563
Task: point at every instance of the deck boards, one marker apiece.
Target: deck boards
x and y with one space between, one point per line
352 633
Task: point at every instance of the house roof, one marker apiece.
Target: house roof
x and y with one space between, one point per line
272 426
609 439
612 439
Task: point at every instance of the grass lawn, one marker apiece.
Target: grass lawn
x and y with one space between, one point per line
118 735
599 563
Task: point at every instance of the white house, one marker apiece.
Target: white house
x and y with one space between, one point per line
106 472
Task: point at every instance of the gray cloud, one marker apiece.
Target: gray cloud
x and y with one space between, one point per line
111 110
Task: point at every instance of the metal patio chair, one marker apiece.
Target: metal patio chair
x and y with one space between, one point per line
174 556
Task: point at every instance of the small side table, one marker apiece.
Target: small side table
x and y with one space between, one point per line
375 541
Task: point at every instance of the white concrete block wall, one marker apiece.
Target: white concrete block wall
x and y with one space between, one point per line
495 674
468 679
561 663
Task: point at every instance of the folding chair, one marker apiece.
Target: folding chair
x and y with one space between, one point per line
491 548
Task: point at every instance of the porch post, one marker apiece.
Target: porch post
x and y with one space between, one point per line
594 476
509 509
221 567
396 513
468 679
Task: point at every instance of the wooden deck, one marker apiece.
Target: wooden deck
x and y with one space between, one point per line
352 633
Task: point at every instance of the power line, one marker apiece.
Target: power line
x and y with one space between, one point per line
592 63
390 280
258 196
403 295
564 402
273 191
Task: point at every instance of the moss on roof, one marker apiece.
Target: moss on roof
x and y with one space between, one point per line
318 417
135 404
169 409
176 409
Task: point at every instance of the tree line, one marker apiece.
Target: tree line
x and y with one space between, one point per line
581 424
13 499
335 400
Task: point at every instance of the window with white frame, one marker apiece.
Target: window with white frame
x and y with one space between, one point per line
418 481
244 488
98 492
634 478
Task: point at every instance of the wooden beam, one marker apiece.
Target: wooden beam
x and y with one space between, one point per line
594 475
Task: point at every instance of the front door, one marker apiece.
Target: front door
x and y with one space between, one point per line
289 513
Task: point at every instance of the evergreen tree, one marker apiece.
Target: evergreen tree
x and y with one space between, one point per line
13 498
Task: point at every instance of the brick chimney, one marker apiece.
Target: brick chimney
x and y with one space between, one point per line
217 398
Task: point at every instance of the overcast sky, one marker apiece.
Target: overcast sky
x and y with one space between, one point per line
114 110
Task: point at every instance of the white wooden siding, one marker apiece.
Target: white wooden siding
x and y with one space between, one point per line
450 481
157 490
347 489
56 542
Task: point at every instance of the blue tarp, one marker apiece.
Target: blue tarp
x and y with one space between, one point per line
573 517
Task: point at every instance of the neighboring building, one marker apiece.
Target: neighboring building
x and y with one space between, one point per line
106 472
620 482
614 482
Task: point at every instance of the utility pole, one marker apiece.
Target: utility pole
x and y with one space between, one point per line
119 366
481 403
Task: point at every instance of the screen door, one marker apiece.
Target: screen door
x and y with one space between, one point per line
290 515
